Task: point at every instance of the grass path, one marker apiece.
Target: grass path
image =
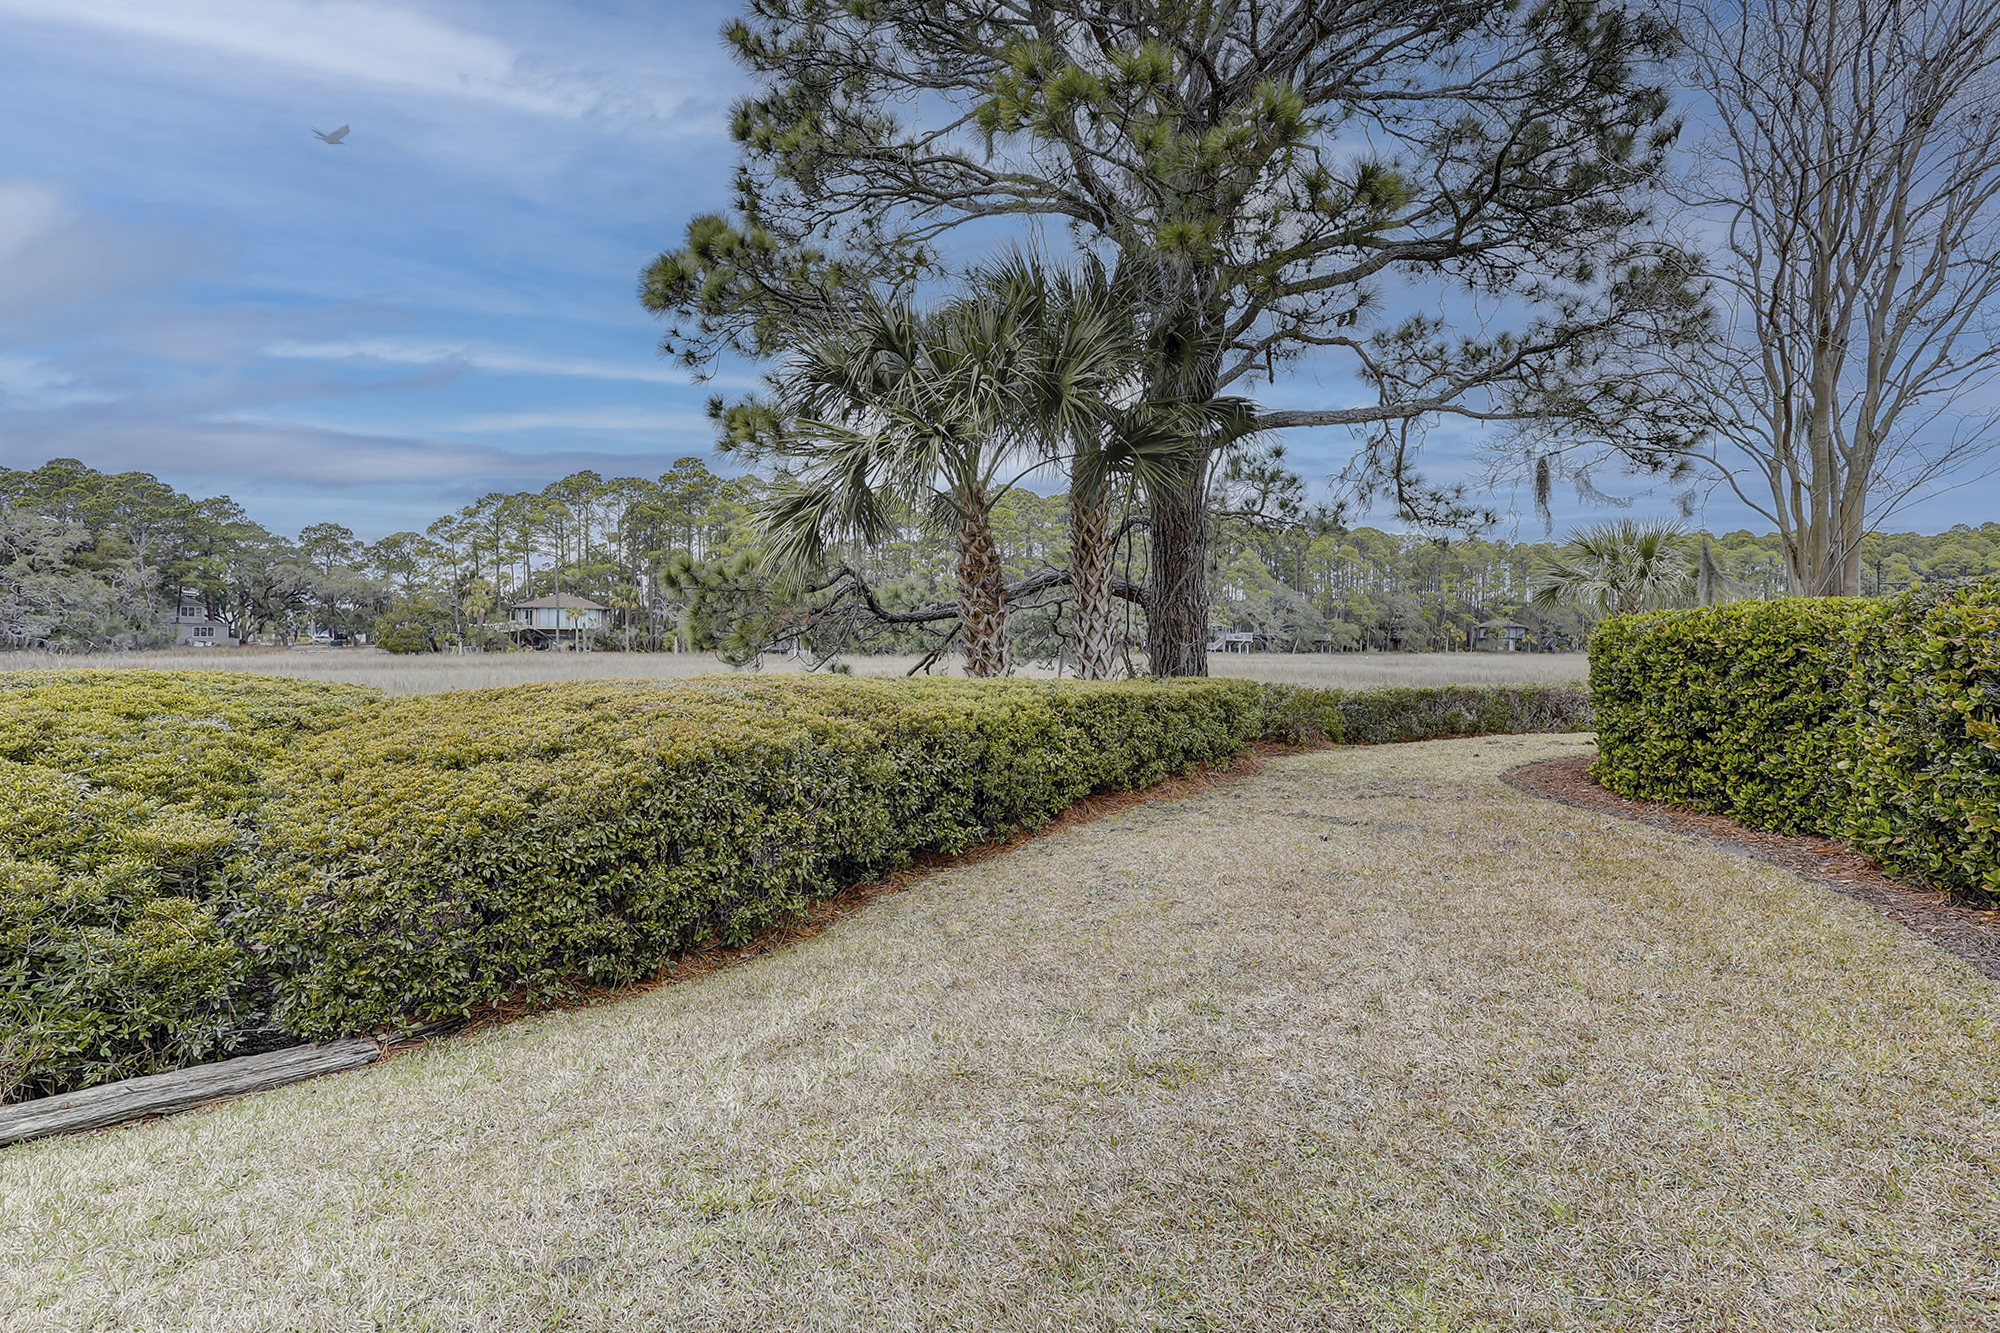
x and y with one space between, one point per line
1366 1041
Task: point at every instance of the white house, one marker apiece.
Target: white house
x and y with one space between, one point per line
562 619
194 626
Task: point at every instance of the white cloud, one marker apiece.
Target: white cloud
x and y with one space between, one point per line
498 361
29 211
345 39
587 419
32 383
220 454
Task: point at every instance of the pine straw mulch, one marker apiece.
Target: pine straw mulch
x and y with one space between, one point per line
1966 930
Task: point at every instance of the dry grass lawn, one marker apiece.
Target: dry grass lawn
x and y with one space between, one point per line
428 673
1366 1041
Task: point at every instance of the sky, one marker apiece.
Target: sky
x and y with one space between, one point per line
376 333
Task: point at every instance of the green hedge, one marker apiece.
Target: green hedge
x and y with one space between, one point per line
185 857
124 795
1923 765
1871 721
1389 716
445 850
1734 709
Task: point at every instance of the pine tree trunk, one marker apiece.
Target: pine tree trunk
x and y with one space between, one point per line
1090 571
982 593
1177 609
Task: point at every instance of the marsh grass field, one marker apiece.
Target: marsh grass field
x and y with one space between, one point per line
1365 1040
430 672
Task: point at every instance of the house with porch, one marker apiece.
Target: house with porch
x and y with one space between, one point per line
562 621
1499 636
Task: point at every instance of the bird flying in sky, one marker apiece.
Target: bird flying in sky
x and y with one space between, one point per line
335 137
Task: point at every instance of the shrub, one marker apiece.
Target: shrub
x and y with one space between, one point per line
186 857
1878 722
445 850
1923 766
123 794
1740 709
405 636
188 740
1386 716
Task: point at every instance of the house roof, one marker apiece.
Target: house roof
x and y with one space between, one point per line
565 601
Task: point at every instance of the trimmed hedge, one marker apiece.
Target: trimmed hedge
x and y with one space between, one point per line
446 850
1877 722
123 796
1399 714
1923 766
1732 709
198 855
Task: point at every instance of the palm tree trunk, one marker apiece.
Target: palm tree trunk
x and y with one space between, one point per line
982 593
1090 572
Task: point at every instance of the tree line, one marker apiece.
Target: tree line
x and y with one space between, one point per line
90 560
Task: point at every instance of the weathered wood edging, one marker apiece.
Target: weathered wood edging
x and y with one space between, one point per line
180 1089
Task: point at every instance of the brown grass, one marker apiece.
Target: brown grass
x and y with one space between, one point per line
428 673
1364 1040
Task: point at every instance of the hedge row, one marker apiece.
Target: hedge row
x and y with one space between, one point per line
195 857
1870 721
1398 714
1923 775
124 798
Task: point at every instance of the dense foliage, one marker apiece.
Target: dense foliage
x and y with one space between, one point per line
1875 721
1734 709
198 863
124 798
1924 775
446 850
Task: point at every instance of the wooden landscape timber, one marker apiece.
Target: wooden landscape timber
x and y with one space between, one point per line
180 1089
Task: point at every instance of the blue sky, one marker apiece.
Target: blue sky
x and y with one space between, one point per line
192 285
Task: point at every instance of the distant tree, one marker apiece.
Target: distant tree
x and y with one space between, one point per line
328 546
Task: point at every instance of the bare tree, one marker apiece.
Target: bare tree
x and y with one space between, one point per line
1856 156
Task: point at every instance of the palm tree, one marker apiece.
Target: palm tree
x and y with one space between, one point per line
1615 569
948 409
1104 395
892 404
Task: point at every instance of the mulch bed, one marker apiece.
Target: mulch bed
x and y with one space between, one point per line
1970 932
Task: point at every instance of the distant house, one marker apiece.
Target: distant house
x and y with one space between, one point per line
193 626
559 621
1498 636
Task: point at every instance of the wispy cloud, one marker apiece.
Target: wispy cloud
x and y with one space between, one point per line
57 257
30 382
346 39
493 360
586 419
266 452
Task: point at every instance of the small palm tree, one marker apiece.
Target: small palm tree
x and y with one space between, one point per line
1615 569
945 409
